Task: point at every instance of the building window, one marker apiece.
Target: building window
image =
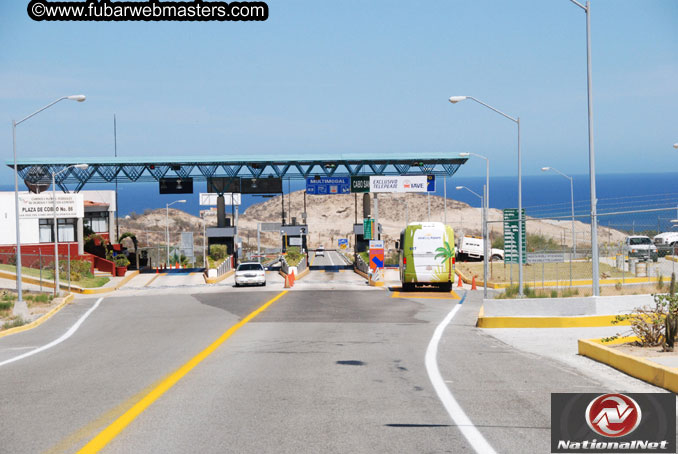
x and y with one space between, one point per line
66 228
97 221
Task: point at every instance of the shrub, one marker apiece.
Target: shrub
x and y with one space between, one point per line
647 322
6 305
294 256
218 252
554 293
121 260
14 322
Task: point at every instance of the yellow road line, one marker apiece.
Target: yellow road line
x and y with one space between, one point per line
109 433
154 278
429 295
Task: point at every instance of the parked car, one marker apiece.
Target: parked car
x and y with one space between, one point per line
250 273
471 248
666 243
320 251
641 247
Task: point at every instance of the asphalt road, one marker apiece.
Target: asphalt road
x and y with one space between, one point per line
329 258
317 371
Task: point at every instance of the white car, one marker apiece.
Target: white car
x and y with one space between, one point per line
250 273
666 243
320 251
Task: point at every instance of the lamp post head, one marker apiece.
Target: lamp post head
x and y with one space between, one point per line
545 169
456 99
79 98
459 187
464 155
81 166
675 145
181 201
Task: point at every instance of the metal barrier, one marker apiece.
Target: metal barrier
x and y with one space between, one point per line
361 265
226 266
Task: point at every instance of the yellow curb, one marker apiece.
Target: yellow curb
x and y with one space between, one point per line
673 258
643 369
214 280
67 299
95 291
357 271
74 288
434 295
302 274
548 322
376 283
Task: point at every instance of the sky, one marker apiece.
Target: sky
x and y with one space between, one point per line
353 76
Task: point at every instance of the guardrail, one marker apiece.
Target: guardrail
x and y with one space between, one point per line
361 265
226 266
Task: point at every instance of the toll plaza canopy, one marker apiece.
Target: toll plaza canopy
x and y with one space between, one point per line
133 169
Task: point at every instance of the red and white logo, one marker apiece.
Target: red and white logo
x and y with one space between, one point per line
613 415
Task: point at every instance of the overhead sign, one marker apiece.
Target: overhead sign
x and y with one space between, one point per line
328 185
294 230
176 185
221 185
376 255
37 206
360 183
270 226
268 185
511 230
209 198
399 183
343 243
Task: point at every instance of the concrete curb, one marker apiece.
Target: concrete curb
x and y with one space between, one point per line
360 273
673 258
548 322
214 280
651 372
74 288
41 320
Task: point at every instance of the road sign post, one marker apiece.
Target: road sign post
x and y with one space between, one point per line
368 228
511 232
376 262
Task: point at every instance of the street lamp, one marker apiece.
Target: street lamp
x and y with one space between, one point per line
592 156
20 305
456 99
483 203
167 226
574 240
55 228
675 145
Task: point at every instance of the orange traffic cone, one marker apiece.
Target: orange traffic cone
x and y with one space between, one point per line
292 279
287 281
473 284
157 270
459 283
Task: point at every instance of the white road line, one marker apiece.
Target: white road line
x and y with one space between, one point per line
65 336
472 434
329 256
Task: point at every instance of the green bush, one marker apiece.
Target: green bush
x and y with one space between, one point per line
6 305
14 322
79 269
293 256
218 252
121 260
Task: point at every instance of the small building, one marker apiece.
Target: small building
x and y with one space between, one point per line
37 232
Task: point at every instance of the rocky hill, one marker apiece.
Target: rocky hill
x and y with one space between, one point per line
331 217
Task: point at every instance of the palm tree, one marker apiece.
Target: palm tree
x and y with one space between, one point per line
446 253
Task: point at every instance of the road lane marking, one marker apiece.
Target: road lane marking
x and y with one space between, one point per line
329 256
65 336
104 437
463 423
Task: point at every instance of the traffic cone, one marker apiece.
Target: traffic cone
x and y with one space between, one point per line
473 284
287 281
292 279
459 283
157 270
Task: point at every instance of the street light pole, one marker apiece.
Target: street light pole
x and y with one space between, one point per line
20 304
574 239
55 228
167 225
592 157
456 99
484 229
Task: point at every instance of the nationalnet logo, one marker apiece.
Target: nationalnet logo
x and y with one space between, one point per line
584 422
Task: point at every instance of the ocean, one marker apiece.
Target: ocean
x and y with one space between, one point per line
545 195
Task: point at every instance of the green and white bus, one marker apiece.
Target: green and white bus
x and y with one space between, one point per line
427 255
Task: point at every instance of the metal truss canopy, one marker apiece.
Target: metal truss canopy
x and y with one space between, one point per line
126 169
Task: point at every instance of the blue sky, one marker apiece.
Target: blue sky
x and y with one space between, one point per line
353 76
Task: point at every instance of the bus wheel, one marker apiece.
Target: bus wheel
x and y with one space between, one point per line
408 286
446 287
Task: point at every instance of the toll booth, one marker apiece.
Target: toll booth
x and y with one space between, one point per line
222 235
294 236
361 244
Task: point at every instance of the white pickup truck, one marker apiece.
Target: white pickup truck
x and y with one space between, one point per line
471 248
666 243
640 247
